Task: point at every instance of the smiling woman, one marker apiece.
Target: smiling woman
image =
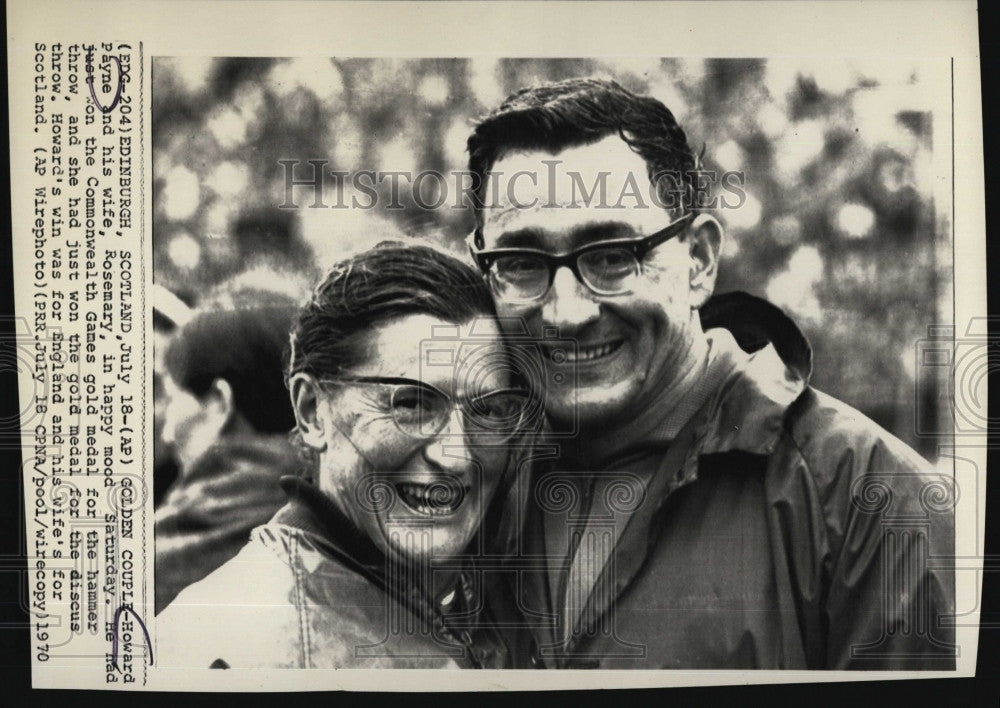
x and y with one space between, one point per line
394 431
409 419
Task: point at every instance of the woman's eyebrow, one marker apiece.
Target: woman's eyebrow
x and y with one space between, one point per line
391 380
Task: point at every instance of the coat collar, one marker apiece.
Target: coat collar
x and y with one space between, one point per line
311 511
771 363
755 323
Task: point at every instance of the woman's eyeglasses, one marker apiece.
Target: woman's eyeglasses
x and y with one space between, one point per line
524 275
422 411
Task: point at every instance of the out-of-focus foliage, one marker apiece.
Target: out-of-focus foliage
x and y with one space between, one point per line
839 226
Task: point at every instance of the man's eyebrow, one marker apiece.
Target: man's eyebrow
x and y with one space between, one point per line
601 231
580 236
521 238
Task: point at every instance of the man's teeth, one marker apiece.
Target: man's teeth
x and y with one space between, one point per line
432 500
590 353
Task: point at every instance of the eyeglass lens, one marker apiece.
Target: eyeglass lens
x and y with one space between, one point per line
422 412
606 271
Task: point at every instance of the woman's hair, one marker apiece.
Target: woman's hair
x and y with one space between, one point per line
391 280
239 337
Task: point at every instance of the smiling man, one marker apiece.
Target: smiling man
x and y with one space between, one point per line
709 509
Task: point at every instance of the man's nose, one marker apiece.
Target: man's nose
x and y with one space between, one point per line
568 305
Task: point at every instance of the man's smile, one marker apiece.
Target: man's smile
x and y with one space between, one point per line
587 352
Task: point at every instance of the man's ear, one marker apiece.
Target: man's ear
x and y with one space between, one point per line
304 391
219 406
705 239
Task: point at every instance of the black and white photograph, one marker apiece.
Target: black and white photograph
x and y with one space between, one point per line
499 347
551 363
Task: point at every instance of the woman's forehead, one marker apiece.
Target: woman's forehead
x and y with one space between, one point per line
430 349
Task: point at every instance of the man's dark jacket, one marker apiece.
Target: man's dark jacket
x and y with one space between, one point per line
781 530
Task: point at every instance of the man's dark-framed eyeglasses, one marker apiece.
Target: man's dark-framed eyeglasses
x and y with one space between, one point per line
422 411
523 275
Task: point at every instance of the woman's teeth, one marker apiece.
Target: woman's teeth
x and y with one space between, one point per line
431 499
591 353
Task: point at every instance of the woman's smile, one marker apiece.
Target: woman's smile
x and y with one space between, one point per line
433 499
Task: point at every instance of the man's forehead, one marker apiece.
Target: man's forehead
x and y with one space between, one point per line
602 182
608 153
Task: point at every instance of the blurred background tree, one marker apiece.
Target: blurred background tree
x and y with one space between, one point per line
839 226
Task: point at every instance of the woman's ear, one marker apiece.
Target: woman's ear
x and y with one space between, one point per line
705 238
305 394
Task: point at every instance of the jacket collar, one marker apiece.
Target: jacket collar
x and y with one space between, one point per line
770 365
309 510
755 323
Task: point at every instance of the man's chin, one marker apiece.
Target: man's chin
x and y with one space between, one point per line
588 410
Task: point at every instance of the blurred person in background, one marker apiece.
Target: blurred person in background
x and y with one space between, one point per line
364 566
169 313
750 515
226 417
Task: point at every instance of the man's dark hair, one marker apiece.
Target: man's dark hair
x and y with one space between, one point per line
574 112
388 281
240 338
